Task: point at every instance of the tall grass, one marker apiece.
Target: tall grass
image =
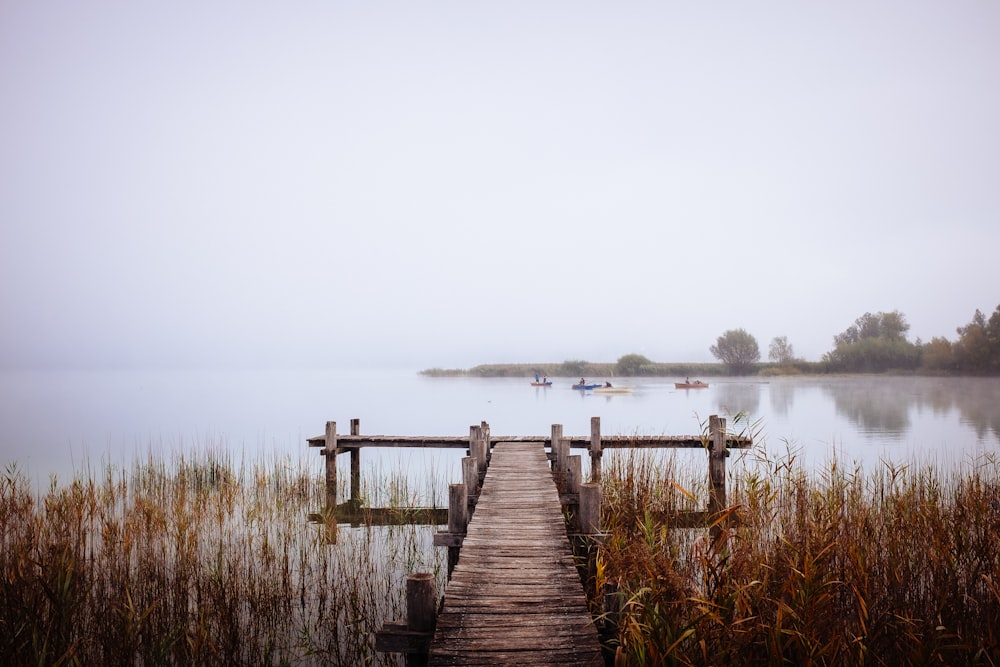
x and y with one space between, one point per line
196 559
899 565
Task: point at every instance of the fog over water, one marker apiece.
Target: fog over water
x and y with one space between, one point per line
410 185
55 422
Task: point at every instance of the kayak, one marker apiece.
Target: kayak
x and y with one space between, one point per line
587 386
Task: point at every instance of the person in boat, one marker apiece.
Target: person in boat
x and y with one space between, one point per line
536 377
607 384
545 379
687 380
582 381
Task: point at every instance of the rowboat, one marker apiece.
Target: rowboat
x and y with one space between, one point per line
613 390
697 384
542 384
587 386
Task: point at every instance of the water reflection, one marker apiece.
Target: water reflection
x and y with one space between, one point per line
782 398
881 408
978 403
889 406
50 422
734 397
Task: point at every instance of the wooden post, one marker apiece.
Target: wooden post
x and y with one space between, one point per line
458 509
458 519
717 454
595 449
574 473
477 447
356 467
613 604
557 432
590 509
470 475
421 609
484 433
330 452
412 636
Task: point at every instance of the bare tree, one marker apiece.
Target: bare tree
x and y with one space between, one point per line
780 350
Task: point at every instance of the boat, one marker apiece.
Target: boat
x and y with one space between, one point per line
587 386
613 390
547 383
697 384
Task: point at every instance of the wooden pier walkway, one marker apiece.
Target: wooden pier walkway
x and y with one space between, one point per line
515 596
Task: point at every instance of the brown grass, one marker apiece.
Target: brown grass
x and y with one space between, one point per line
196 561
200 560
899 565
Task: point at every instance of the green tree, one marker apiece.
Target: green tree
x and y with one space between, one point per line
874 343
780 350
888 326
738 350
938 355
978 347
632 364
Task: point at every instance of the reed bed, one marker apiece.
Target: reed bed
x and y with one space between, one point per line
898 565
196 559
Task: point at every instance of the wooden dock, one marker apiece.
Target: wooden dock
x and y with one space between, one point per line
516 591
515 596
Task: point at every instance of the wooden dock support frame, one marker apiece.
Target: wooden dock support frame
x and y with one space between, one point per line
588 537
458 521
555 440
479 447
470 476
412 636
589 516
330 452
595 449
355 499
459 513
717 453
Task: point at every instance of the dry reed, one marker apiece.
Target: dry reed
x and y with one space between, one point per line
899 565
196 561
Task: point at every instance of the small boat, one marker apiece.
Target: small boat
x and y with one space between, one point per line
613 390
547 383
587 386
697 384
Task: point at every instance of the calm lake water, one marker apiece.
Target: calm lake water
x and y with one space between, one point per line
53 422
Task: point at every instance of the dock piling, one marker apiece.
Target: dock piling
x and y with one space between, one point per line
330 452
717 454
595 449
590 509
412 636
470 475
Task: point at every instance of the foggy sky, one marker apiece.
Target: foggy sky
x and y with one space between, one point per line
420 184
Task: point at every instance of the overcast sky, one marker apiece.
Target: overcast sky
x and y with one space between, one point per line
418 184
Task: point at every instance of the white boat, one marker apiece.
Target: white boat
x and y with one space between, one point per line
613 390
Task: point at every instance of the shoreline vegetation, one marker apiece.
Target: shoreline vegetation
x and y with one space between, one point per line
576 368
874 343
200 559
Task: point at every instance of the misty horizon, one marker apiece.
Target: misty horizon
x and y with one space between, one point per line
443 185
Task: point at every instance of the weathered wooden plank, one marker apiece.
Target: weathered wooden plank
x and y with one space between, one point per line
528 658
515 596
349 442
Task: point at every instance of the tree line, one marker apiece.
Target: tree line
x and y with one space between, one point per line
874 343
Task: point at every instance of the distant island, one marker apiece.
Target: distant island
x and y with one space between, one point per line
874 343
576 368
